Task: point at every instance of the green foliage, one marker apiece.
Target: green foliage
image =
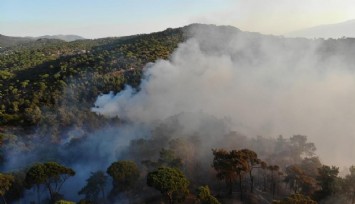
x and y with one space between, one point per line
302 177
94 186
300 147
252 162
6 41
5 183
328 181
36 175
17 188
229 166
50 174
125 174
167 158
170 182
50 85
5 75
204 196
349 184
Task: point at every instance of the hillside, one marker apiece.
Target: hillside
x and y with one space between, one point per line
67 38
121 118
39 78
335 31
6 41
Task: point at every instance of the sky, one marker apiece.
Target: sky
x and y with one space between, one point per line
103 18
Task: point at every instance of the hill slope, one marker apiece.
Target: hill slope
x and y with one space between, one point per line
56 82
338 30
47 88
39 79
6 41
67 38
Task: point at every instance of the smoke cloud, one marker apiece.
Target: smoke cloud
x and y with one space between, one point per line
261 85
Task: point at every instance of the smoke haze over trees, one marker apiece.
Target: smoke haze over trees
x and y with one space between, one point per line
164 100
264 85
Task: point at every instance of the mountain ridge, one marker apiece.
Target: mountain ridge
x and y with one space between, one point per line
334 30
67 38
9 41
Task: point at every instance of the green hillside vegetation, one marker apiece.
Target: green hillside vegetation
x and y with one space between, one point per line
45 79
47 88
56 82
6 41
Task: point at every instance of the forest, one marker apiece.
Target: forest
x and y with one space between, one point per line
55 149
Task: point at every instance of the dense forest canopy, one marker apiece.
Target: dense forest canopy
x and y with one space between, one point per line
176 144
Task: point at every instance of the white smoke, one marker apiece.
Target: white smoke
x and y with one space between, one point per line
264 85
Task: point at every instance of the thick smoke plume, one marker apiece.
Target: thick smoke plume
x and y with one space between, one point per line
262 85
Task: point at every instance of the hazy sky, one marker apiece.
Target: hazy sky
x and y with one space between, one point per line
100 18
